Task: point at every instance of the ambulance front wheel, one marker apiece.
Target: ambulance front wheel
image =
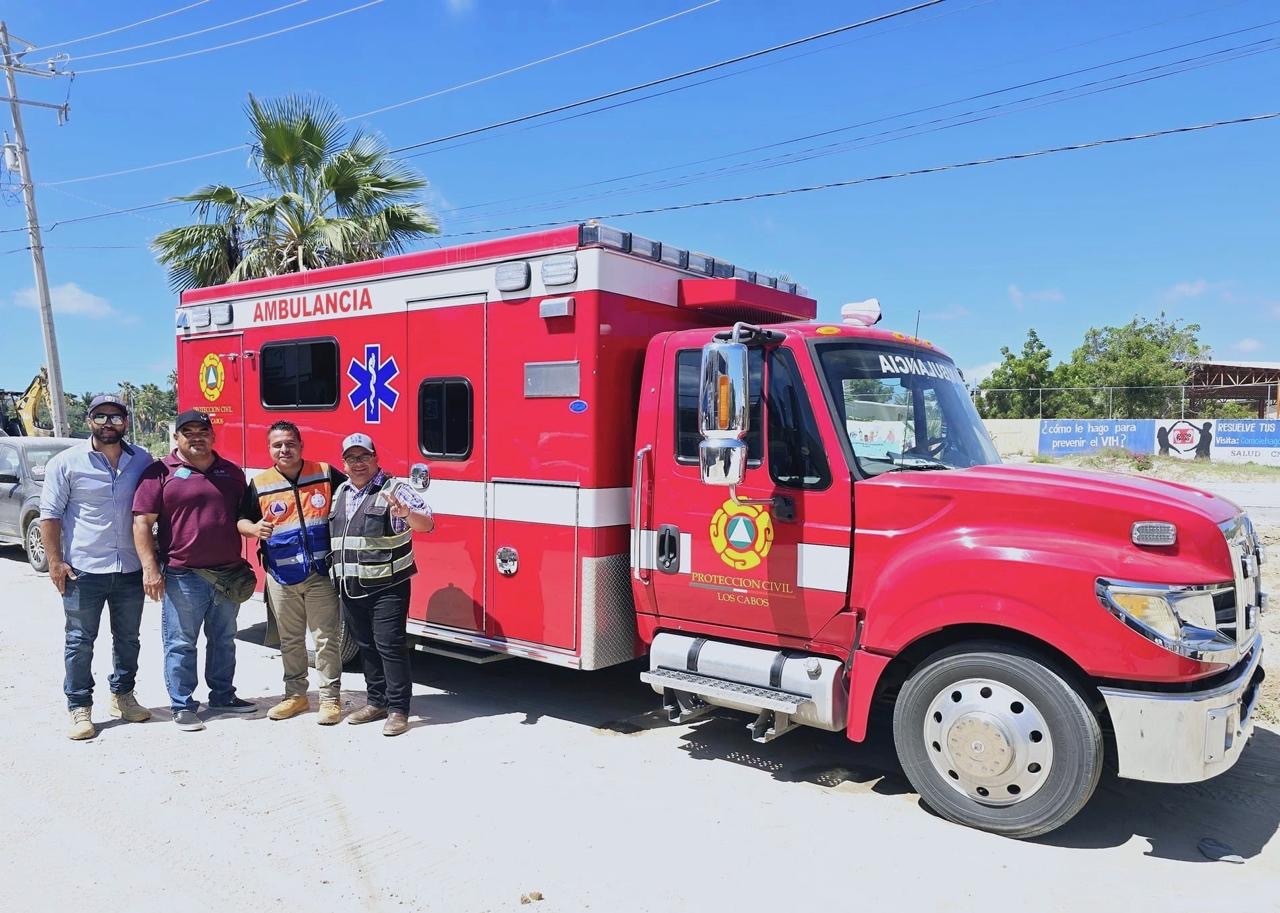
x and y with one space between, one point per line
997 739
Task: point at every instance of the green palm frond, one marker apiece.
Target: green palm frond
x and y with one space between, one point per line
330 199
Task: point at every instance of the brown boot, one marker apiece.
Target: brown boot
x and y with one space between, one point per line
290 706
126 707
81 724
330 712
396 723
367 714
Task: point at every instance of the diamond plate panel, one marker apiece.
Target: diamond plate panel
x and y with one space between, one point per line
608 612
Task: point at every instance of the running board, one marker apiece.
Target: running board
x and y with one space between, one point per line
466 654
712 689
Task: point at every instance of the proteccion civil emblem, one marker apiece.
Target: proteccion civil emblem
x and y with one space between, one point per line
212 376
741 534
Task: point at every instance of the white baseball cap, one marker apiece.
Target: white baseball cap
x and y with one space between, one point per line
358 440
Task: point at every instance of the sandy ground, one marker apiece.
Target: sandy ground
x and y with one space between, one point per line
521 778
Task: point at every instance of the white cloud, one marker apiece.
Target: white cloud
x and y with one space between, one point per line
1020 297
953 312
1248 344
1180 291
978 374
70 299
458 7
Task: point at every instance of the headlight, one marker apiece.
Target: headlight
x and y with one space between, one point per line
1182 619
1153 611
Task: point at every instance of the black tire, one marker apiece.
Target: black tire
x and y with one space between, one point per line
946 757
347 647
34 546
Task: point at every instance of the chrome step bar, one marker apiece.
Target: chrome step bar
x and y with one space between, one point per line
688 696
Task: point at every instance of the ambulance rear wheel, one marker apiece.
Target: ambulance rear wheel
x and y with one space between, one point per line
346 641
998 740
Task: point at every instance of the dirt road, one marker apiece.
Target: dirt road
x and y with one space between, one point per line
519 777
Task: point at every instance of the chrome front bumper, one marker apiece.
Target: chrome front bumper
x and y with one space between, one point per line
1187 737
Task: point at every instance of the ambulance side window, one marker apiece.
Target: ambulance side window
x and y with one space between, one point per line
444 418
300 374
688 369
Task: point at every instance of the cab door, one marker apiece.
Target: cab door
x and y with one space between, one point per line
780 567
211 379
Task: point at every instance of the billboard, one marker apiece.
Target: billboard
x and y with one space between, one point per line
1064 436
1216 440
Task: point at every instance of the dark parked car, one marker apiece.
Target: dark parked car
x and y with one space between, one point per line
22 462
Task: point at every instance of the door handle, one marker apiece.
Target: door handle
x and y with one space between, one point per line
668 549
637 517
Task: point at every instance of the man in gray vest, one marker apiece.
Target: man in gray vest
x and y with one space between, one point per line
374 519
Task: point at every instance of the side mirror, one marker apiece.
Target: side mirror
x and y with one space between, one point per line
722 462
420 476
722 393
723 416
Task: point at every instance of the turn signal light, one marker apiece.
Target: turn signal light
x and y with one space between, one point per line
723 400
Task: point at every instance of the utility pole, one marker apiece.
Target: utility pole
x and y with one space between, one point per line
57 402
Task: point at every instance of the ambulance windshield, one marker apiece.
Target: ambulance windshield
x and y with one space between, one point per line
903 408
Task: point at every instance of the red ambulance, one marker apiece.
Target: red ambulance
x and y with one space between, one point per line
639 450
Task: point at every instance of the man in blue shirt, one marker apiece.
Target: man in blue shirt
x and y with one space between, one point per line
86 521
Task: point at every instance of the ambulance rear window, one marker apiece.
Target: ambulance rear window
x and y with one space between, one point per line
300 374
444 418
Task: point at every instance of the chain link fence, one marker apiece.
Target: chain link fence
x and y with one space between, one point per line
1125 402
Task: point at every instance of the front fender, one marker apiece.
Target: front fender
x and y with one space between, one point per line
1043 587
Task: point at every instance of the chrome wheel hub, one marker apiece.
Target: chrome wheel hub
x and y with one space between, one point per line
988 741
35 545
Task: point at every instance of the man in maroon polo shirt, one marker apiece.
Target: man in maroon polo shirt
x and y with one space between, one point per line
193 495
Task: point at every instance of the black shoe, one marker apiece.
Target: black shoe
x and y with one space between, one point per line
235 705
188 721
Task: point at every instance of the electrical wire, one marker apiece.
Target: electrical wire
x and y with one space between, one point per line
123 28
532 63
231 44
454 88
852 182
884 17
212 28
976 115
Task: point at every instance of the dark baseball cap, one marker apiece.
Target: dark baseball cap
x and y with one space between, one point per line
192 416
107 399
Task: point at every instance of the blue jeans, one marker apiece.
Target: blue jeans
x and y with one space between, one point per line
82 600
189 602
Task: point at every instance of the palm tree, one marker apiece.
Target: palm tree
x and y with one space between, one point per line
329 199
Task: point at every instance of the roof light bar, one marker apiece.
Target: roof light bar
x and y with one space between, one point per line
643 247
674 256
701 263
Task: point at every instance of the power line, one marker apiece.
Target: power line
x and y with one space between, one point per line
172 38
534 63
819 151
915 172
438 92
123 28
884 17
231 44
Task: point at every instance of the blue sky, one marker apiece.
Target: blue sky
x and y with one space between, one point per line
1184 225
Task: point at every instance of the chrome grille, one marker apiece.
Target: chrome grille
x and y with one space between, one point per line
1237 615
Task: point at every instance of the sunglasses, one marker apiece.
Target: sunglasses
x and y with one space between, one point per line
102 419
359 458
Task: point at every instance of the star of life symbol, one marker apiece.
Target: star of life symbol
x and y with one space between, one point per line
373 378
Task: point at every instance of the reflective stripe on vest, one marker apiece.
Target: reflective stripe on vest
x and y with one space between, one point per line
367 555
299 542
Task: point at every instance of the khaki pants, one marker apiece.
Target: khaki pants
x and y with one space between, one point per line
313 604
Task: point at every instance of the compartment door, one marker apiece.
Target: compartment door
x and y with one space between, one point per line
211 379
533 595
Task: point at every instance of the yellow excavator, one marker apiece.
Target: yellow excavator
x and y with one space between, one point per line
27 412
